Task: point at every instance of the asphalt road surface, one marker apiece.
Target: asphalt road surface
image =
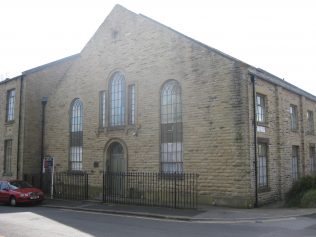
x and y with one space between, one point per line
37 221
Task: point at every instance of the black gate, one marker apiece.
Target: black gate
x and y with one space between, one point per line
175 190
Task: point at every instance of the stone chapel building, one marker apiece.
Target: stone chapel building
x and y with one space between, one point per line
143 97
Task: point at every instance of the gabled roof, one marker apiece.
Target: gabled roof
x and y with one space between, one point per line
42 67
7 80
262 74
252 70
195 41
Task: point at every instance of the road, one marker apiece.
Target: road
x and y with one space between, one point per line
37 221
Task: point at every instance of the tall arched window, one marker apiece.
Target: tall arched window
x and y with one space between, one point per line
76 135
117 100
171 147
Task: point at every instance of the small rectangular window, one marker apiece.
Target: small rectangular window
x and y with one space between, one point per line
10 105
131 104
262 165
310 122
261 108
76 158
102 111
171 157
295 162
7 157
293 114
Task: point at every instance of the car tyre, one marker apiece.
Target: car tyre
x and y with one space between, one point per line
12 201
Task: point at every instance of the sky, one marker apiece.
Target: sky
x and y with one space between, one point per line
278 36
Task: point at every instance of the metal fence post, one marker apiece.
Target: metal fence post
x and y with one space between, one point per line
87 186
52 184
175 190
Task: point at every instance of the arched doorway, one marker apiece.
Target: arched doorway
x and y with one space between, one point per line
116 158
116 164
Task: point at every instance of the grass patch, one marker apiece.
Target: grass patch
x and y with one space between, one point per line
299 189
309 199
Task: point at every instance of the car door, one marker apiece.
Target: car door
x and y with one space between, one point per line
1 192
4 191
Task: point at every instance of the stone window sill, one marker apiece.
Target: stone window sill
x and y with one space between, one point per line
7 174
9 123
263 124
264 189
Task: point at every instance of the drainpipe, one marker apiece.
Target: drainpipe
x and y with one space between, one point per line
44 102
253 80
19 130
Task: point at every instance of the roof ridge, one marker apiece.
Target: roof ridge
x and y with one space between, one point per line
41 67
198 42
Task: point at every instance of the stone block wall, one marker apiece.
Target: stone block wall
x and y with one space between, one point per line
217 111
38 83
9 130
279 136
213 105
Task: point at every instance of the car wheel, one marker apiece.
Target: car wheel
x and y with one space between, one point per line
12 201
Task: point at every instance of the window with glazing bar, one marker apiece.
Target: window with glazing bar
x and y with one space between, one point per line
293 115
131 104
10 105
7 157
261 108
117 100
76 135
295 162
102 111
262 165
171 147
310 122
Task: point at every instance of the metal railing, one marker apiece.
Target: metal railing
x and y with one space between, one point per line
175 190
71 185
33 179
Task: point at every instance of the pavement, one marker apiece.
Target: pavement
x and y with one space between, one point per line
209 214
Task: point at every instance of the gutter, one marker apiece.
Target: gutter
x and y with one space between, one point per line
253 80
280 82
19 129
44 102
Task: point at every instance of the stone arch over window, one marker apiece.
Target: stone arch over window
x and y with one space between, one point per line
76 135
117 101
171 146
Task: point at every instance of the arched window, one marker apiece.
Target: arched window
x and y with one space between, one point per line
117 100
76 135
171 147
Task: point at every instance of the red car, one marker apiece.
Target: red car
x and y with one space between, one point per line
17 192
